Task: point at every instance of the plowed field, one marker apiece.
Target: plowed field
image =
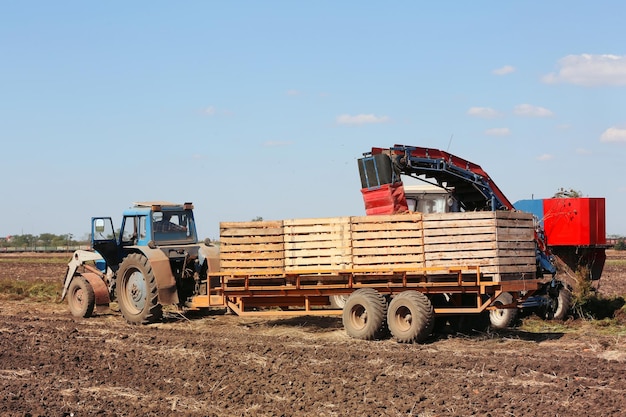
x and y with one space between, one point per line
223 365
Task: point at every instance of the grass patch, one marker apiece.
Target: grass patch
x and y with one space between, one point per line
597 307
38 291
615 262
606 327
534 324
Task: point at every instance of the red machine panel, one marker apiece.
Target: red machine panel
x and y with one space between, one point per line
574 221
387 199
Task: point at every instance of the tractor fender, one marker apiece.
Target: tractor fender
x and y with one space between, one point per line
165 280
79 258
100 289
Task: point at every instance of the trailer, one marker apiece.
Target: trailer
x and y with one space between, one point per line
404 273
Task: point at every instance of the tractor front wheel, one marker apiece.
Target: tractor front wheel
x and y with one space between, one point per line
136 291
81 298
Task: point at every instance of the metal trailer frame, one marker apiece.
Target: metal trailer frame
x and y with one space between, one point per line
307 292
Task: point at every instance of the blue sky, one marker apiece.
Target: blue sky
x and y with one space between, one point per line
262 108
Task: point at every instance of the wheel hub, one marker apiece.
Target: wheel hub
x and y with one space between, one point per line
404 318
359 316
136 290
78 296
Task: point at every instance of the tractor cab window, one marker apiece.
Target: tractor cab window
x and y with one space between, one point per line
172 225
134 228
169 222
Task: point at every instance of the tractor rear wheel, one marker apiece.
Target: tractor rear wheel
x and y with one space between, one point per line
136 291
410 317
81 298
364 314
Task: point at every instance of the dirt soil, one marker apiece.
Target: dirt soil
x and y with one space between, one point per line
223 365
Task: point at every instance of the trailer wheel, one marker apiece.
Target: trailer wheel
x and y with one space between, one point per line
136 291
503 318
338 301
364 314
410 317
81 298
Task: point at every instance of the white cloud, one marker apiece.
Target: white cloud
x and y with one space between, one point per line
589 70
498 131
545 157
614 135
276 143
529 110
507 69
361 119
484 112
210 111
293 92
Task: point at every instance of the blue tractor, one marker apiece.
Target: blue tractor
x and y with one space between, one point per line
154 259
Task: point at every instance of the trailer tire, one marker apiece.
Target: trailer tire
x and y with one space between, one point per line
136 291
410 317
338 301
81 298
364 314
503 318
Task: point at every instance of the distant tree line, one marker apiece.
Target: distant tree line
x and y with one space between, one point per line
44 239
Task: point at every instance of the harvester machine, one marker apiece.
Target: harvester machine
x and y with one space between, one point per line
569 233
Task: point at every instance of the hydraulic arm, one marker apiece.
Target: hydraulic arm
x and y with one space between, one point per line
468 183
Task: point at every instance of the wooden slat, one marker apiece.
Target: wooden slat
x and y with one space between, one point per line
265 224
451 239
436 230
389 234
251 264
245 247
398 250
252 240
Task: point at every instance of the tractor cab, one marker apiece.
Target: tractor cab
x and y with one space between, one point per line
146 224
